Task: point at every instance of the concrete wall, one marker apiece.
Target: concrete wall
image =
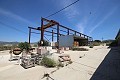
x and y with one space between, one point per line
66 41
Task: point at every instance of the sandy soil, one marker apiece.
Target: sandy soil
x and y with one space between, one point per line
81 68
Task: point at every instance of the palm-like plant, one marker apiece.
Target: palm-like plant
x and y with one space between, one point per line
45 43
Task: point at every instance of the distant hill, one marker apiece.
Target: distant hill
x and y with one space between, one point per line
13 43
8 43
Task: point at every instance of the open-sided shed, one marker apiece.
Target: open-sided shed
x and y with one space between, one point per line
60 31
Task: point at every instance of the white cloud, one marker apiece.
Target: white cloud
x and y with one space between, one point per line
81 26
14 16
105 18
71 11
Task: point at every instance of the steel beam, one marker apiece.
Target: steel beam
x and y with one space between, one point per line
49 20
54 32
53 23
33 28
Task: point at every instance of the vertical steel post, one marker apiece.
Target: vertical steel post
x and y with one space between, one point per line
91 40
84 36
58 36
52 35
29 34
80 34
68 32
42 32
87 40
75 32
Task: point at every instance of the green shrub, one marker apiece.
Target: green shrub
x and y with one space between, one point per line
70 62
47 62
114 43
108 44
90 46
96 43
60 64
5 48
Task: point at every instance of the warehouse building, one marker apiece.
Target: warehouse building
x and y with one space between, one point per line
118 37
72 40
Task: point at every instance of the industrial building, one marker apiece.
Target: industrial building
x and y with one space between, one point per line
66 37
72 40
118 37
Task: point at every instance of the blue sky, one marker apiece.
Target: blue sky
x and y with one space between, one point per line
96 18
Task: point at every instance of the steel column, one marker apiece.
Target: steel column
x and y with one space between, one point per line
29 34
42 32
84 36
75 32
52 35
68 32
58 35
80 34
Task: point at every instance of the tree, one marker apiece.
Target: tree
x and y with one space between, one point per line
24 45
45 43
114 43
97 40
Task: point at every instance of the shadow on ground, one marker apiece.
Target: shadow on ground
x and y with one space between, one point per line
109 69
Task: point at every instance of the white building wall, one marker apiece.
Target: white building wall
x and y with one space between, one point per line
66 41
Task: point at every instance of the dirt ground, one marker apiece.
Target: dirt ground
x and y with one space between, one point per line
81 69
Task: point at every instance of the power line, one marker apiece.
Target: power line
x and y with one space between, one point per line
11 27
62 9
6 25
46 17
